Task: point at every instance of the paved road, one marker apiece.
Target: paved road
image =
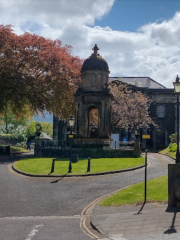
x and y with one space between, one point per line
50 208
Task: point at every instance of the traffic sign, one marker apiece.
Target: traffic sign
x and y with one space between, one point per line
146 136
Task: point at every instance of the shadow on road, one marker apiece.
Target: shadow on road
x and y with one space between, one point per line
56 181
141 208
172 228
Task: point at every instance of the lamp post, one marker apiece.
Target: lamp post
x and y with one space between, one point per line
28 147
177 92
71 124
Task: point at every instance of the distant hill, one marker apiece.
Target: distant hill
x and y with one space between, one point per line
47 118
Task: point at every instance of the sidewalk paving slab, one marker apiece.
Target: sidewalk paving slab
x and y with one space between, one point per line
128 222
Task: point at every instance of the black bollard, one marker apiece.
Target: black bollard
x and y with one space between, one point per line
89 165
70 166
53 163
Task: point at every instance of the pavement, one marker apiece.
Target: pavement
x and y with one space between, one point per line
137 222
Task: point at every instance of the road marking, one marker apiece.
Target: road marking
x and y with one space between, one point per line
117 237
41 217
86 214
113 237
34 231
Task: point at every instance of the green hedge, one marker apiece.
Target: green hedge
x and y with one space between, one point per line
85 152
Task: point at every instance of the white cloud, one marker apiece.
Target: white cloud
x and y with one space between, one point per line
56 13
154 50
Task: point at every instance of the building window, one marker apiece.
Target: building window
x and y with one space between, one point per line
161 111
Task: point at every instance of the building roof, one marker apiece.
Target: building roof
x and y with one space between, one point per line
142 82
95 62
44 136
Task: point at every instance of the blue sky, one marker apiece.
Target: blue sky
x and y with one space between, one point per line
129 15
138 38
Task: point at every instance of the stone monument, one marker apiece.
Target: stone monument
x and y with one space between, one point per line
93 94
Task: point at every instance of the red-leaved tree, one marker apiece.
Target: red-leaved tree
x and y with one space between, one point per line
36 74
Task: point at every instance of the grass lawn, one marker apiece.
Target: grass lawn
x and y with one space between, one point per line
167 152
14 149
157 190
43 165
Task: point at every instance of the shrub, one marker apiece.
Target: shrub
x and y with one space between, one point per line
11 137
172 147
18 145
173 138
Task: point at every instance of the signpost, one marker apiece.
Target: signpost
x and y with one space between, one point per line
146 136
145 180
145 185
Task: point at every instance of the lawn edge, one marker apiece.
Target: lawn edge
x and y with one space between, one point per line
77 175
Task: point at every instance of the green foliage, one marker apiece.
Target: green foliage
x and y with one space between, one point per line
18 150
172 147
156 191
88 152
33 129
9 124
47 128
173 138
13 149
18 145
12 137
8 136
38 129
43 165
167 152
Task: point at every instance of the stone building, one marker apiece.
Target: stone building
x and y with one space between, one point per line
93 94
162 110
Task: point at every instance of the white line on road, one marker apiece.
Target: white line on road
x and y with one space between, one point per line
40 217
114 237
34 231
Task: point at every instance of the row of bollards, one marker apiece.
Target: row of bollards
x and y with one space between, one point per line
70 165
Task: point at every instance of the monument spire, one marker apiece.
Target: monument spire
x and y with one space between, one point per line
95 48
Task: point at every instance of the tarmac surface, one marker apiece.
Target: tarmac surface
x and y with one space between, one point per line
53 208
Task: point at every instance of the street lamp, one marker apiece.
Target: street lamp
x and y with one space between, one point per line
177 92
28 135
71 124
